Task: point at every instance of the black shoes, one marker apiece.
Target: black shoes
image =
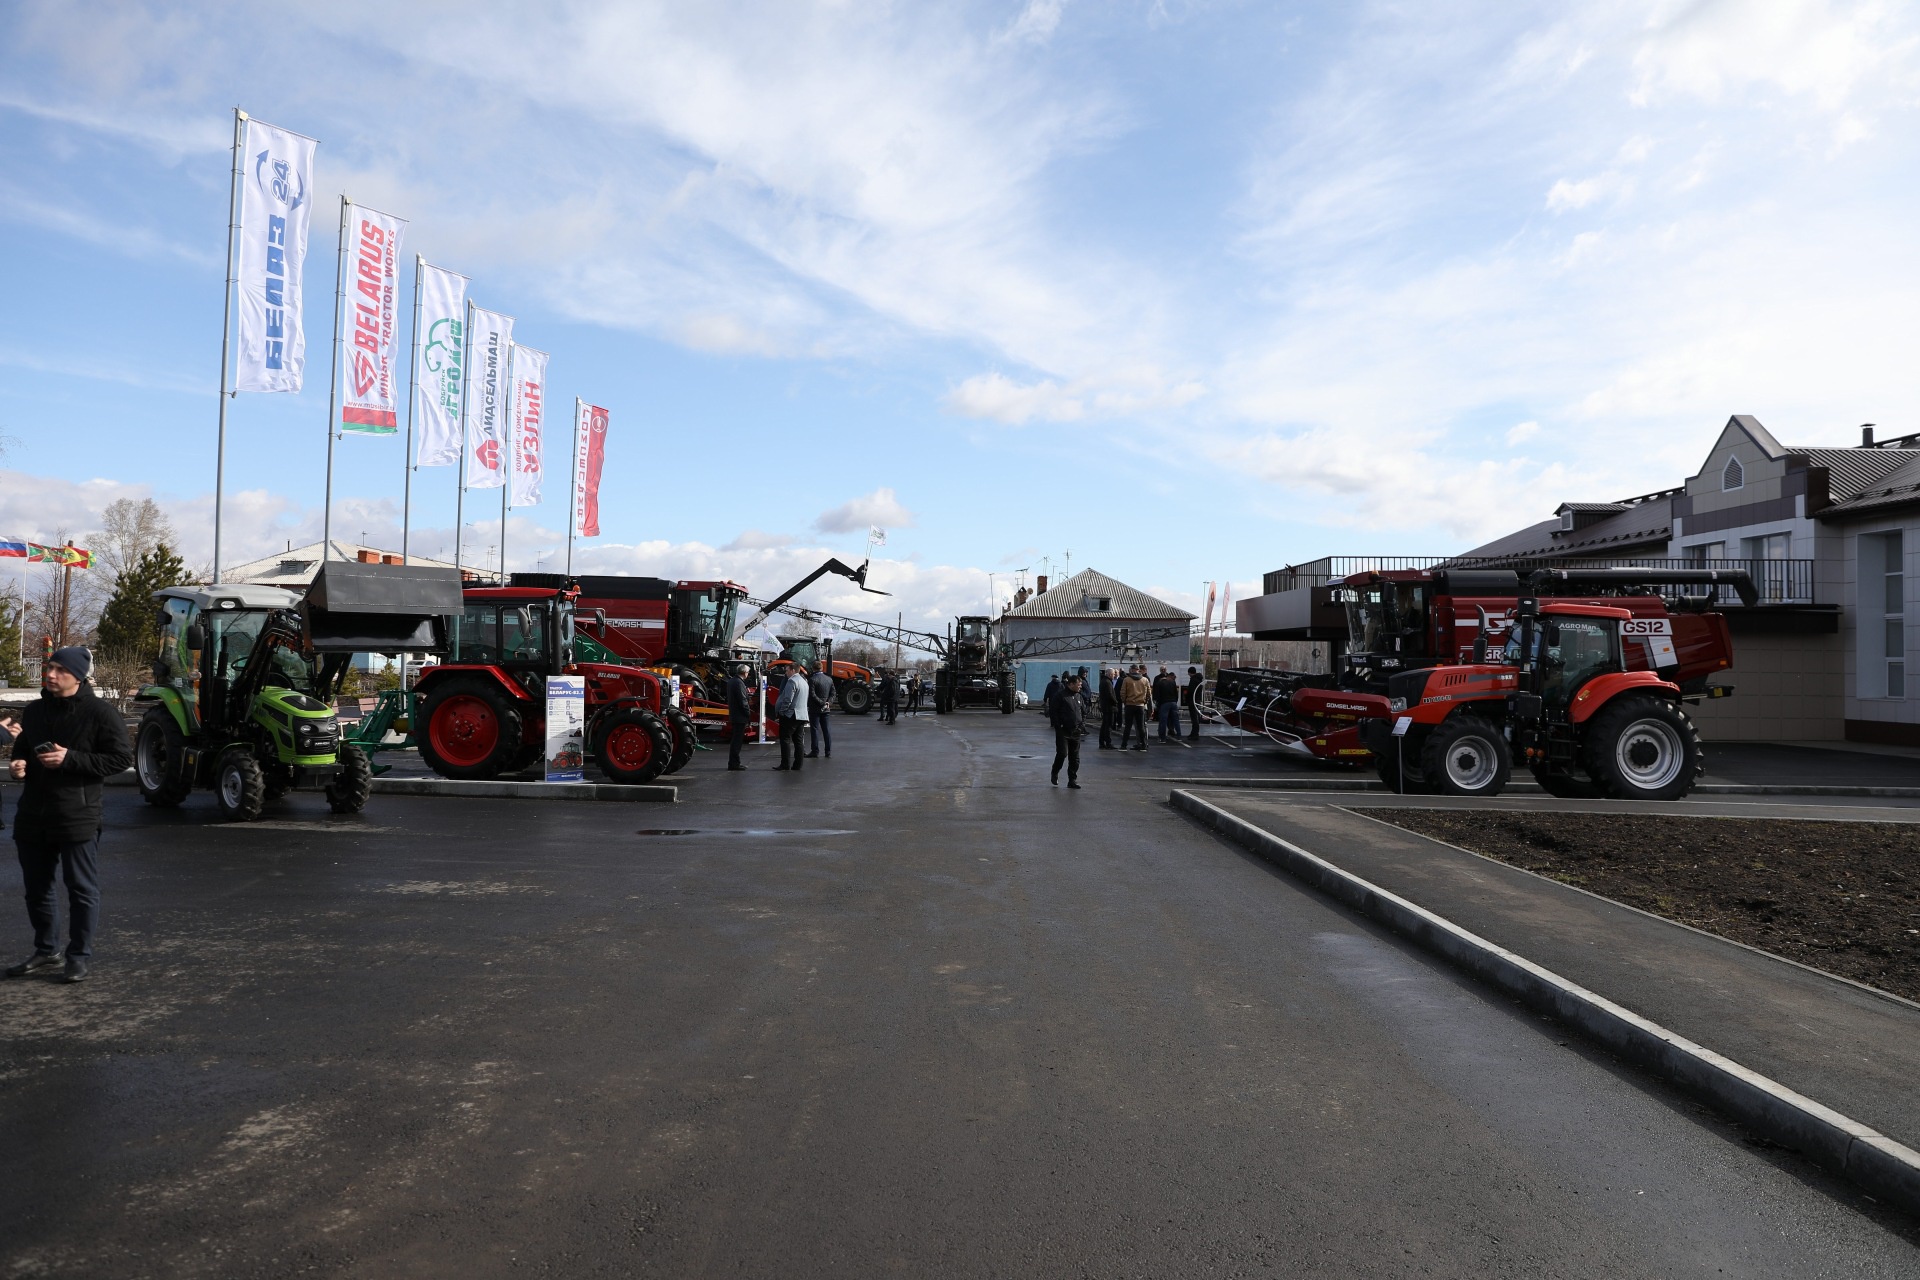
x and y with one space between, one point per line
1073 786
76 970
777 768
813 755
736 768
1055 779
38 960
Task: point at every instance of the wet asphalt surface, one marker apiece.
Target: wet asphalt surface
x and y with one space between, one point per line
911 1011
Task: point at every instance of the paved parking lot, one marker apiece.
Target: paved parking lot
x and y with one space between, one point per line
910 1011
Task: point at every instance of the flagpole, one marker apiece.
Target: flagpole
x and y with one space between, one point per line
226 326
460 494
413 374
573 485
333 379
506 482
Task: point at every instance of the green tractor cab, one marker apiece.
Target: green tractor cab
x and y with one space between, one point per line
246 677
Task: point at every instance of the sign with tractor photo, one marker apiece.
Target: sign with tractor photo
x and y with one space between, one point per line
566 728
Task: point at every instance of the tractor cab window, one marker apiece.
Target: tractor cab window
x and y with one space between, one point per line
476 634
174 665
973 632
708 620
231 635
523 631
1576 650
1379 616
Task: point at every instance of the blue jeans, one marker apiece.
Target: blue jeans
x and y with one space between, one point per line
820 731
38 863
1167 714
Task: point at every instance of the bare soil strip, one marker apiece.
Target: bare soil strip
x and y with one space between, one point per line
1843 897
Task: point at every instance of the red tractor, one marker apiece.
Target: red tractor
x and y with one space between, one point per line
1405 620
483 712
1559 697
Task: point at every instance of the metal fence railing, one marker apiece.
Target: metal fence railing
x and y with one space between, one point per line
1776 581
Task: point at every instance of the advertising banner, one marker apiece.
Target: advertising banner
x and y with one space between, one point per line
590 455
566 728
370 396
276 197
489 345
527 419
440 380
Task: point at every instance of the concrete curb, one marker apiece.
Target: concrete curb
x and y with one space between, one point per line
1875 1162
1532 788
495 790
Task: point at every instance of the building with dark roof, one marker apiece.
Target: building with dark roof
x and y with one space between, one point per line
1111 614
1828 535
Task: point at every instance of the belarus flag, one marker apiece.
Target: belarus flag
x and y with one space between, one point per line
14 547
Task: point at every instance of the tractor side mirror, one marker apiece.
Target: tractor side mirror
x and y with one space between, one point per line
162 619
197 635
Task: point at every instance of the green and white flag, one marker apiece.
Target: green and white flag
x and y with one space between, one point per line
440 379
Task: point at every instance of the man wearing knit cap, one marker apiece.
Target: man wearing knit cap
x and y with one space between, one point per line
69 742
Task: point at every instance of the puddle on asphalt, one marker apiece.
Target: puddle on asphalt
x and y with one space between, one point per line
357 827
744 831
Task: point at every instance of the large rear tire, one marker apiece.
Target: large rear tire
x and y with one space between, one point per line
681 725
353 785
856 697
1642 748
240 786
1007 702
160 759
471 729
632 746
1467 756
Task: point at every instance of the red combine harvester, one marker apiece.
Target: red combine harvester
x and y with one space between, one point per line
1416 619
483 711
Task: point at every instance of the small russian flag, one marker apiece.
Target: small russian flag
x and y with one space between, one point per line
15 547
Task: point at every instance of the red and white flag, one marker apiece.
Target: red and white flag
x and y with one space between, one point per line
489 346
589 457
370 395
527 419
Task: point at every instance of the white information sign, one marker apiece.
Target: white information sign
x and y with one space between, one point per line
566 728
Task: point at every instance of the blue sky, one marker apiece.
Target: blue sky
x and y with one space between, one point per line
1191 290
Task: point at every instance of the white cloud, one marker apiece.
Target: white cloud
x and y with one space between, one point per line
1036 23
1828 52
999 398
1565 195
755 540
1522 431
877 508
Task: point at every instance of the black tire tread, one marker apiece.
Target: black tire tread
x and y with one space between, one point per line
253 795
1440 741
512 729
1604 728
352 787
176 786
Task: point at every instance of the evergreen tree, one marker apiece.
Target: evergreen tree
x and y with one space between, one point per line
10 668
129 625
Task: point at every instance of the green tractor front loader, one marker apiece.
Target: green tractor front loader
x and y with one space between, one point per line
243 696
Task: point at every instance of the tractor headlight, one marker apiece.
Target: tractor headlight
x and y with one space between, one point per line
1396 705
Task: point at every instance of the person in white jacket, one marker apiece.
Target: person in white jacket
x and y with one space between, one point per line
792 712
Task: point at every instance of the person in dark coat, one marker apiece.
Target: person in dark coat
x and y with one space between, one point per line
1196 678
69 742
739 714
1109 708
1046 699
1069 719
819 703
1166 704
889 697
9 727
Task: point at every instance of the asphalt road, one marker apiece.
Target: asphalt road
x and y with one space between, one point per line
911 1011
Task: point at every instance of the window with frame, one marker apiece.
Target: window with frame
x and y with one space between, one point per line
1099 604
1893 611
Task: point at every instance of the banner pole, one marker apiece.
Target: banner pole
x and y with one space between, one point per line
460 472
413 375
333 379
226 327
506 487
573 485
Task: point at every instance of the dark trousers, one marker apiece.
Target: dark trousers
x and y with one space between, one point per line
1167 716
77 862
889 711
793 745
1108 715
1066 749
1136 718
820 732
1193 715
736 738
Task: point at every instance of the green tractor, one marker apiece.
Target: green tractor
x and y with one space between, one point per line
243 696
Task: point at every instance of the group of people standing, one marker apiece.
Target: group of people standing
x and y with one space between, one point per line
893 687
1124 699
804 708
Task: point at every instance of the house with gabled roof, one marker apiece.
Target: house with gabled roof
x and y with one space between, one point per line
1110 614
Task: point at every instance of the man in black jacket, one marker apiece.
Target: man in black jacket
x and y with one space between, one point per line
68 742
1109 707
739 715
1069 725
1196 681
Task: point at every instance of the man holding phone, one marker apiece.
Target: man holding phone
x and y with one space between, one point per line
69 742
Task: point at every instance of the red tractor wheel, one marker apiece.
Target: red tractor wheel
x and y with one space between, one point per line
685 738
473 729
633 745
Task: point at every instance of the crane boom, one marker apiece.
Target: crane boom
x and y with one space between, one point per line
1042 646
905 638
859 577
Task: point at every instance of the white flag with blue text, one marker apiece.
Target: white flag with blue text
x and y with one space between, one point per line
276 197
